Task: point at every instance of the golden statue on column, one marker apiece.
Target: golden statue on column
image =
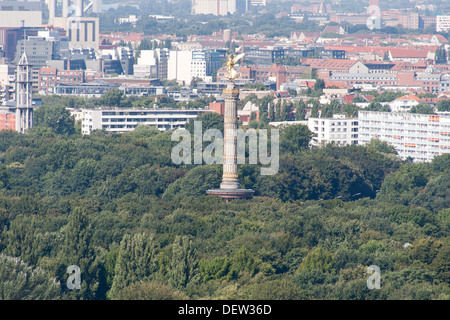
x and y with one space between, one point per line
232 59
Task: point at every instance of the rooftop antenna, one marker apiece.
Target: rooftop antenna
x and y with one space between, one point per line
24 36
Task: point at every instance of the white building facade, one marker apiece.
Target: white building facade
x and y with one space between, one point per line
442 23
179 66
215 7
339 129
124 120
152 64
419 136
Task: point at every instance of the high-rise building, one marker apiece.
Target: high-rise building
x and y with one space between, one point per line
38 49
152 63
419 136
72 7
82 31
214 7
205 63
16 14
219 7
183 65
410 21
442 23
179 66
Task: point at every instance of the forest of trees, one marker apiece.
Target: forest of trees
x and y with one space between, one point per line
140 227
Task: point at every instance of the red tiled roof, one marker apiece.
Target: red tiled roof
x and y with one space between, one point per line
348 98
369 97
409 97
336 64
408 53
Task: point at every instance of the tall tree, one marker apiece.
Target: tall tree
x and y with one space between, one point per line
443 105
295 138
300 112
315 109
441 55
183 263
56 117
286 111
135 261
78 251
278 111
112 98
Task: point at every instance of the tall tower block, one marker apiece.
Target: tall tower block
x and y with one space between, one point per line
24 105
51 11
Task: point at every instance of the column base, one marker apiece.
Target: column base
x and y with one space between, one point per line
228 194
230 183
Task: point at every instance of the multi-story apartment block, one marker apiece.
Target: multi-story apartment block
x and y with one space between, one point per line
419 136
38 49
205 63
152 63
338 129
410 21
442 23
219 7
123 120
444 84
355 79
183 65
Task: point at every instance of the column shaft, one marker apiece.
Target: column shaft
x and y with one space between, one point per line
230 170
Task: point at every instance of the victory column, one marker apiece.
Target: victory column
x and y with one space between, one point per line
230 187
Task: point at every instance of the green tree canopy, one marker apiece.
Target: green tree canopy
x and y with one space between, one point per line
443 105
19 281
55 117
295 138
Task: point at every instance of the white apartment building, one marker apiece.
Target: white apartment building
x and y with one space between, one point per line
183 65
404 104
444 85
132 19
152 63
124 120
198 65
215 7
179 66
419 136
339 129
442 23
